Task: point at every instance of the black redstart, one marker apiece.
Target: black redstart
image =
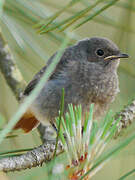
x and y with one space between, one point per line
88 73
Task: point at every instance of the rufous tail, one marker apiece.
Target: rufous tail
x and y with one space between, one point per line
27 122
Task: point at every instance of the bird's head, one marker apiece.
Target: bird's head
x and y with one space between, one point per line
102 51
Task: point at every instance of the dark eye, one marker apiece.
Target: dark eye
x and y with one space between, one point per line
100 52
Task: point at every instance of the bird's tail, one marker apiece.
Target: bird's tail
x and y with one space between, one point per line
27 122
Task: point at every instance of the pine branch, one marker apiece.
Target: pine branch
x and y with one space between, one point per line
9 69
34 158
127 117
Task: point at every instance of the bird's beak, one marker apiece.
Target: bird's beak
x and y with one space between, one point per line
121 55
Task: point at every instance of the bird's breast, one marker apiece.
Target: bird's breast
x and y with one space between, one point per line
102 92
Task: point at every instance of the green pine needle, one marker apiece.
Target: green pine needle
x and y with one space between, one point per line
85 151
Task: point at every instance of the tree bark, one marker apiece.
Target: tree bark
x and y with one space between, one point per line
33 158
9 69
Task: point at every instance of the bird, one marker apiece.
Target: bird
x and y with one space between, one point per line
88 73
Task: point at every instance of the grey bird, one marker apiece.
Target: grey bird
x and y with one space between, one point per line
88 73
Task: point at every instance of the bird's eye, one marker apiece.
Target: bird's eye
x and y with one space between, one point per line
100 52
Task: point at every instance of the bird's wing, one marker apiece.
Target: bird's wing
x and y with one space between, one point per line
28 121
34 82
62 63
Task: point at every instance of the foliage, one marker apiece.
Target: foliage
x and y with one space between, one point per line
21 23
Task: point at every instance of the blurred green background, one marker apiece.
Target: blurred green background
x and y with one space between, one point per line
31 51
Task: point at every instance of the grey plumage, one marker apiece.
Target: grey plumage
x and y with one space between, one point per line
84 74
